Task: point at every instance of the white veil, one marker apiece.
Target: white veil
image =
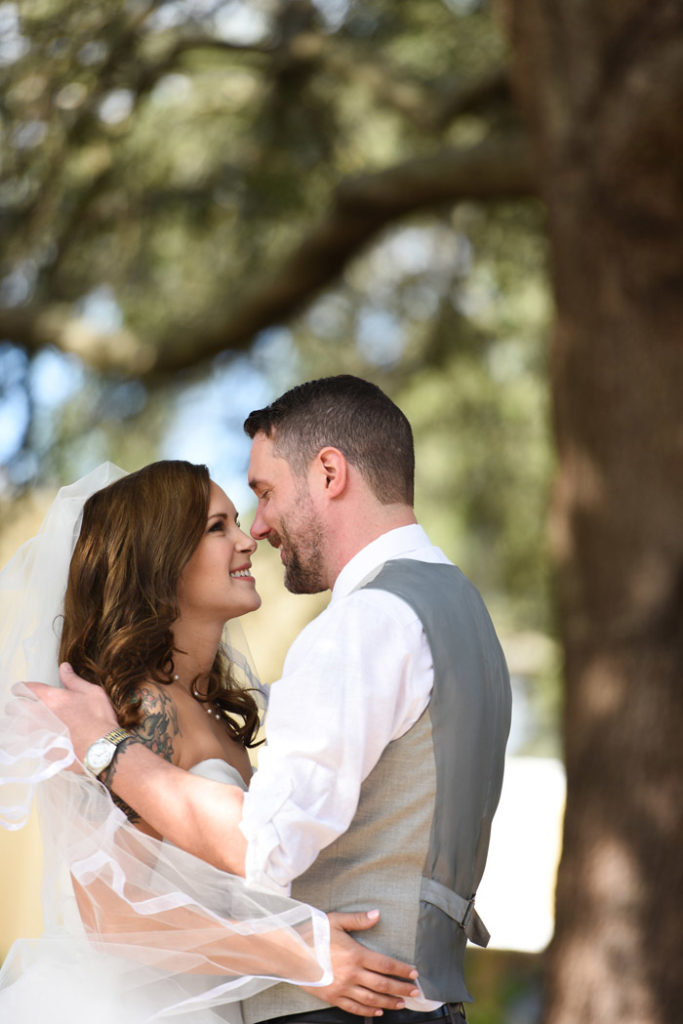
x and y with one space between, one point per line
135 929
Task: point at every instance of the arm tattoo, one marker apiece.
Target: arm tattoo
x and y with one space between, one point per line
157 729
158 726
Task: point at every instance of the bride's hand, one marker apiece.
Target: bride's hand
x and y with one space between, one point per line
365 982
83 707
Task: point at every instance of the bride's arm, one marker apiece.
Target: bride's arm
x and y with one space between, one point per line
363 981
192 940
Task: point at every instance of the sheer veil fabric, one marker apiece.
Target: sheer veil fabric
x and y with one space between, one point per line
135 929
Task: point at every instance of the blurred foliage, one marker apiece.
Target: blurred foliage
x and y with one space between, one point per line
508 986
160 160
168 151
454 325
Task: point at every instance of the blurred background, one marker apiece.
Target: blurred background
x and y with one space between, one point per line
204 202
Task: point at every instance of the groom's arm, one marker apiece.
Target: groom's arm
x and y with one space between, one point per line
196 814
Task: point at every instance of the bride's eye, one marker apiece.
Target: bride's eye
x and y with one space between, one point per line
216 527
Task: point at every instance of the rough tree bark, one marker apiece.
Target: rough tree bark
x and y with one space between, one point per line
602 84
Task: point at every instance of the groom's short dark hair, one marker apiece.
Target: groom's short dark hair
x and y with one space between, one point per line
352 415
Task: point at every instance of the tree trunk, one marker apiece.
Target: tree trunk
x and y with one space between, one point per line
601 82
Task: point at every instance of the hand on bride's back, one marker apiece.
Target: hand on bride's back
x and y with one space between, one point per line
83 707
365 982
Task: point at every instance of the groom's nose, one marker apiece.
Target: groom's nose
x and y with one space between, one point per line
259 528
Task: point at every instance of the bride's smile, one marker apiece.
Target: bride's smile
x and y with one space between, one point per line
216 583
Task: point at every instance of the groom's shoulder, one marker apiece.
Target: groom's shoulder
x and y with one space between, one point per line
364 612
372 611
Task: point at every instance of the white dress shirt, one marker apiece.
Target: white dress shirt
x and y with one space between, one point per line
357 677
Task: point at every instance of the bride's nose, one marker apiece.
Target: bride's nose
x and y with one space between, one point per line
246 543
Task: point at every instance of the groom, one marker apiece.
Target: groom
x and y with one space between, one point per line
386 733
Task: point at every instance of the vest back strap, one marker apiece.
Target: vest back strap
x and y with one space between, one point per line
456 907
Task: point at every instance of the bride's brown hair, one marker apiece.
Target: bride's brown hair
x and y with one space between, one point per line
136 537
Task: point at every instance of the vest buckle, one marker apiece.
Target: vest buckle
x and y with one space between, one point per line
467 916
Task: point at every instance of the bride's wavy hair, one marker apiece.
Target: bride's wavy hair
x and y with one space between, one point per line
121 601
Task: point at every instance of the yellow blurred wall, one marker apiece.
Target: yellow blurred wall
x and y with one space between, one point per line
20 852
21 862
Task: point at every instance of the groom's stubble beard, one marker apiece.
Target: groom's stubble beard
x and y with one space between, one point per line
305 566
304 572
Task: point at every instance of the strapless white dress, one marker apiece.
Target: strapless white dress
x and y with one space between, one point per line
220 771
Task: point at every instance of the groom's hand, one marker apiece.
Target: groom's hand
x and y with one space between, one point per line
365 982
83 707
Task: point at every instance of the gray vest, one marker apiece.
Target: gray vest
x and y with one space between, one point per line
418 842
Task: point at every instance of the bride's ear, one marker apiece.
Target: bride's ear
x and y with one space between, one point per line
331 470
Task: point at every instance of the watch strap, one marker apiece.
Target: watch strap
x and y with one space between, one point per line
117 735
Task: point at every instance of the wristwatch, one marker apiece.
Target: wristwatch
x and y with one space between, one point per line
100 754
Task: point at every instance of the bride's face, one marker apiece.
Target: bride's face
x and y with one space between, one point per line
216 583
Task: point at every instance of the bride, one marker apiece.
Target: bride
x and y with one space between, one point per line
132 579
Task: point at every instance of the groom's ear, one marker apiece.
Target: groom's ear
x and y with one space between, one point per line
331 470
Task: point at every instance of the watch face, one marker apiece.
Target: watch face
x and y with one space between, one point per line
99 755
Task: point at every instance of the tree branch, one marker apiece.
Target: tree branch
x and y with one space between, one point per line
360 207
430 106
472 97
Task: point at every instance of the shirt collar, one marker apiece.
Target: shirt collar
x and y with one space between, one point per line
394 544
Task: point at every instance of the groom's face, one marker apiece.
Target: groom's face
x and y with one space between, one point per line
287 519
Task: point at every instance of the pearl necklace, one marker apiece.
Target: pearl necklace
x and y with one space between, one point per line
211 709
